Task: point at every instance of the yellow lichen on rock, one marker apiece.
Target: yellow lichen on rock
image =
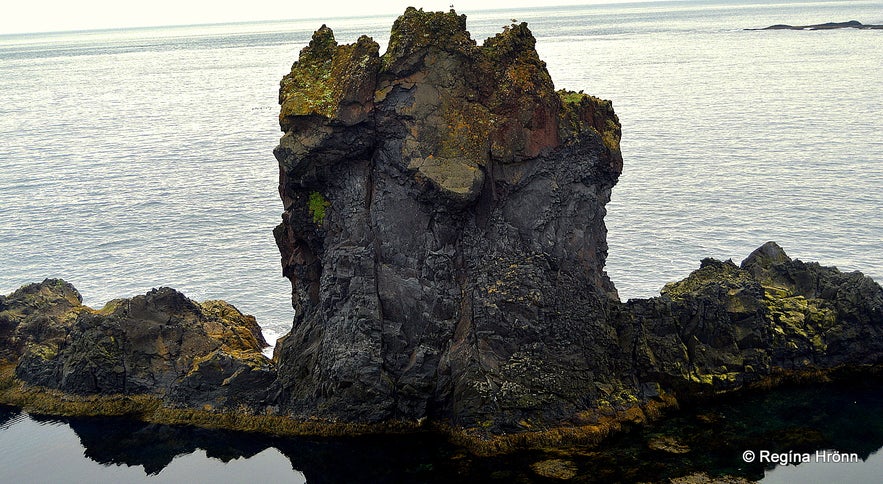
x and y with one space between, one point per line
581 112
560 469
330 80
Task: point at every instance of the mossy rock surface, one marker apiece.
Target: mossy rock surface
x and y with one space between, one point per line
141 345
459 271
332 81
559 469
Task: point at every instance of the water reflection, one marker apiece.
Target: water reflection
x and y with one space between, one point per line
126 442
844 417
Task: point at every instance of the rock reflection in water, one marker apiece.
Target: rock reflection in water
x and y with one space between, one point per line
132 443
117 441
844 417
711 439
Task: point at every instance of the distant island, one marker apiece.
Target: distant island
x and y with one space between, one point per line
852 24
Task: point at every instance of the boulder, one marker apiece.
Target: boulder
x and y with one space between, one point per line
161 343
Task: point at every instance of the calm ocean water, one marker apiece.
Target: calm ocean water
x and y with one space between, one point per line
133 159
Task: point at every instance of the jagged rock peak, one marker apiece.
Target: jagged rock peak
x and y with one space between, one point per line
766 255
331 81
439 199
416 30
493 102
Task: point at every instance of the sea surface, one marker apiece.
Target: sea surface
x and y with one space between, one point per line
139 158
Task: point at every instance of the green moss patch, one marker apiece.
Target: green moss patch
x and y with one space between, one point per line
317 204
581 112
326 76
712 272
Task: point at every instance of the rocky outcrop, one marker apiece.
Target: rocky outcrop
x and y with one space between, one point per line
852 24
444 236
726 327
161 343
443 229
722 329
35 316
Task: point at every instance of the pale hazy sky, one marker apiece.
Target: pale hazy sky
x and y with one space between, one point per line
53 15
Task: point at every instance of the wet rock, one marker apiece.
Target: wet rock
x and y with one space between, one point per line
667 444
703 478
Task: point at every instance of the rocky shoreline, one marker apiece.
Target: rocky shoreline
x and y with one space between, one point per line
444 237
217 377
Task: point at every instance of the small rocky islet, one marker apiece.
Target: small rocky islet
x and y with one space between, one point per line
851 24
444 237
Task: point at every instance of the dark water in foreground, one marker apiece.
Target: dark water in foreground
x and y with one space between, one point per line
843 417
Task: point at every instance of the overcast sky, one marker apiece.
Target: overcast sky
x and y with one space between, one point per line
53 15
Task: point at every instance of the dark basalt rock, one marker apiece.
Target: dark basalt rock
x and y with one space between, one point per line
726 326
444 236
161 344
36 315
443 230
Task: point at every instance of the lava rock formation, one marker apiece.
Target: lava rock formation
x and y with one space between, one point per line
443 229
444 237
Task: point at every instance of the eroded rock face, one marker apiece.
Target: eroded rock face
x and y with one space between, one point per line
727 326
444 236
443 229
36 314
161 343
